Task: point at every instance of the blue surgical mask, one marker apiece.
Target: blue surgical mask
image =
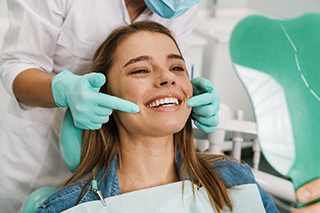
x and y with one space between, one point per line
170 8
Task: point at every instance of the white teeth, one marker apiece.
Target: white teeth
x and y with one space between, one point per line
165 102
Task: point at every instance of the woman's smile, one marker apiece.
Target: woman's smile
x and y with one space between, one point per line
166 102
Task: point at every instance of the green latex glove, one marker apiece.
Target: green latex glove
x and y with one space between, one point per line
90 108
206 105
70 142
36 198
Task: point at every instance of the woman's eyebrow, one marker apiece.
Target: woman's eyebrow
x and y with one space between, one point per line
175 56
138 59
149 58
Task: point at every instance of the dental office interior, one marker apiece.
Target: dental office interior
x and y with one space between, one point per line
237 132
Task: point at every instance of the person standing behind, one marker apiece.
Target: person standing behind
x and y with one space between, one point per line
45 58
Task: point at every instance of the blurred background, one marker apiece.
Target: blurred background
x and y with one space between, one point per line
210 52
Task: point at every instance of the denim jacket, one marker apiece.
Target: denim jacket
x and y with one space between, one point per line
231 171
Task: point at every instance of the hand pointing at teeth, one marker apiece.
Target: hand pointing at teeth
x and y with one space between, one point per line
90 108
206 105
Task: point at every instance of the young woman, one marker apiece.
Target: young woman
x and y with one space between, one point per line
143 64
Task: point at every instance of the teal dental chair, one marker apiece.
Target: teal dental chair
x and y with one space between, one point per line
70 149
278 62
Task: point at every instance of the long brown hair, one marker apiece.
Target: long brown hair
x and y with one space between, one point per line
101 146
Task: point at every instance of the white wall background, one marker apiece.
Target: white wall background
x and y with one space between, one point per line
3 8
285 8
223 3
280 8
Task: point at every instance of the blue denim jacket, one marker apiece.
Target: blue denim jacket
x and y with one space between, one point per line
231 171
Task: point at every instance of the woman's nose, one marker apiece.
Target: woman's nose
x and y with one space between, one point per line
166 78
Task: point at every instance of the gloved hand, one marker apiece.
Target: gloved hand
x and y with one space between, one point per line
90 109
206 105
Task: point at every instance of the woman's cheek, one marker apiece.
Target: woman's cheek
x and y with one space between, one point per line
132 92
189 90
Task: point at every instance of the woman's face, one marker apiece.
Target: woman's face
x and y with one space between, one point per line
149 71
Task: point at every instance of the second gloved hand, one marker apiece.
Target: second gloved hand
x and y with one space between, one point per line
206 105
90 108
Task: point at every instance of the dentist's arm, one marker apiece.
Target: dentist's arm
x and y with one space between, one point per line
206 105
33 87
90 108
307 193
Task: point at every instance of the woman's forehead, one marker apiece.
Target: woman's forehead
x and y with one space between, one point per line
147 42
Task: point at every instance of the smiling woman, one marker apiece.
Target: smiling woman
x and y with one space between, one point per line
143 64
155 80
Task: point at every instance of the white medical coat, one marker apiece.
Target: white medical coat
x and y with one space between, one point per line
53 35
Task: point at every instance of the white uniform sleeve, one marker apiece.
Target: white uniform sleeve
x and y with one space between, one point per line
30 41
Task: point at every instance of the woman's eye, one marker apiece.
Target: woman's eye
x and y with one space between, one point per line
178 68
140 71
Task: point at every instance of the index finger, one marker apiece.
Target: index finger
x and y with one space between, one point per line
113 102
309 192
199 100
201 85
204 99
